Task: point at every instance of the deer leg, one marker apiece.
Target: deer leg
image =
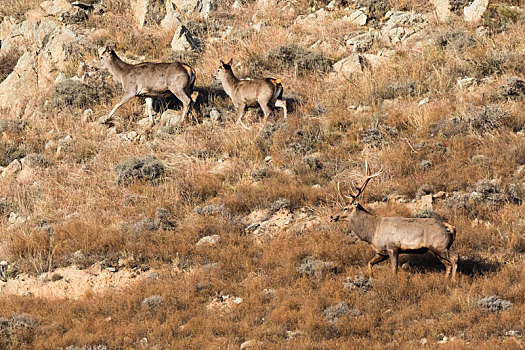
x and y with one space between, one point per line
241 109
149 105
375 260
123 100
282 104
393 253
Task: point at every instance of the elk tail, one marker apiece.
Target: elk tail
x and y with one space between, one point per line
451 229
191 75
278 94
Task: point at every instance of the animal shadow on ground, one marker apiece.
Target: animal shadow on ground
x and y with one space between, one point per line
428 262
214 97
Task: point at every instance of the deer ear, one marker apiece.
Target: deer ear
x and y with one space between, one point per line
222 62
230 62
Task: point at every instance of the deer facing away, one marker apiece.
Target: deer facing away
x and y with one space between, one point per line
267 93
390 236
149 80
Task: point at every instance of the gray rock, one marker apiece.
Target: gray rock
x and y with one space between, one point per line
494 303
145 168
335 312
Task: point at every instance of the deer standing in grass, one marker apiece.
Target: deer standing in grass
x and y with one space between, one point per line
391 236
267 93
150 80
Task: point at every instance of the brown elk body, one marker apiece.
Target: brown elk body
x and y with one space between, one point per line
150 80
267 93
391 236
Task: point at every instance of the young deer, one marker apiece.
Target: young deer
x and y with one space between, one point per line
150 80
267 92
390 236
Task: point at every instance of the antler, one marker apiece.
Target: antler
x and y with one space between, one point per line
360 189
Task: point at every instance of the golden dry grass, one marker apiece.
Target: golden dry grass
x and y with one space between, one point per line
209 163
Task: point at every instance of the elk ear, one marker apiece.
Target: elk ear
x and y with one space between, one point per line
230 62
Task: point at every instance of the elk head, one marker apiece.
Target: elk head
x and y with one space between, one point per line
349 211
104 57
220 74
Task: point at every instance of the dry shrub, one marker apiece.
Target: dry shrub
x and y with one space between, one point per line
8 62
74 94
292 58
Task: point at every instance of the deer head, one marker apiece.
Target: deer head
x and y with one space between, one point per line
352 206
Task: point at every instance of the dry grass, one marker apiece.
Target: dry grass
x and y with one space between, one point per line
449 144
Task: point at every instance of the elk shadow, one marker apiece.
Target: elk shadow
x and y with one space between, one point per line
428 262
202 97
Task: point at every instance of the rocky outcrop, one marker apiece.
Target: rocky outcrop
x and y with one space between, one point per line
49 45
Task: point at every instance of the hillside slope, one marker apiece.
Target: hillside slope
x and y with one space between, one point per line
202 234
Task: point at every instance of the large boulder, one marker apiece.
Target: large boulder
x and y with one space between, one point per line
184 41
202 8
475 11
21 86
155 12
442 9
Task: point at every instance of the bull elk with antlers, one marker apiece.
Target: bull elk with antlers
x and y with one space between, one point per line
391 236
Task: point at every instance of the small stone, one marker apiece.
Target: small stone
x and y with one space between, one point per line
423 341
268 159
87 115
215 115
423 101
208 240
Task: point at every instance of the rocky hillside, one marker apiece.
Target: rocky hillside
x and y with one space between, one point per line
115 234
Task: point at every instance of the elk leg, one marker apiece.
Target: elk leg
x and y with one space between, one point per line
241 109
454 260
266 110
443 256
375 260
282 104
185 99
123 100
149 104
393 253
